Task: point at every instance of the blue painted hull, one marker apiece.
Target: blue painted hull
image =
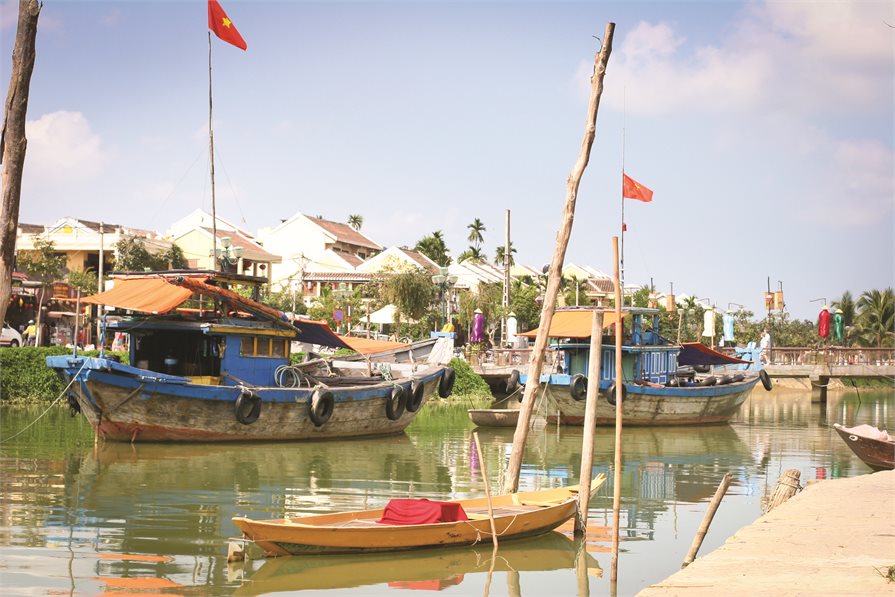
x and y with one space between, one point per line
129 404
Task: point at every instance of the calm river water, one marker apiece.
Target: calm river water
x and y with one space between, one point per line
117 519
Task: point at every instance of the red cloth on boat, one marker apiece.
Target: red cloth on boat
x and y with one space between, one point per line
421 511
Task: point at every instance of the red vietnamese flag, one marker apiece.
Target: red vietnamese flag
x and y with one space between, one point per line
631 189
222 26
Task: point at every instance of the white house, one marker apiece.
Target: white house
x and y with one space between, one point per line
398 259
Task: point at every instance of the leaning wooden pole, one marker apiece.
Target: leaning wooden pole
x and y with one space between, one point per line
707 520
590 422
554 273
478 451
13 142
619 393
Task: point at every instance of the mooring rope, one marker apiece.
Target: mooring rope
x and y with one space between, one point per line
52 404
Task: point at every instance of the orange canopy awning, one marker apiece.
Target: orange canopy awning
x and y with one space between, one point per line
370 346
147 295
573 324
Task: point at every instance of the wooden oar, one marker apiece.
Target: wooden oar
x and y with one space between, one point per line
478 450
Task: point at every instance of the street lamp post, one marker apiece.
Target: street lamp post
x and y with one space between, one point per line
229 255
444 281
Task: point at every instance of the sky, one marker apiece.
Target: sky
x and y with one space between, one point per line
765 129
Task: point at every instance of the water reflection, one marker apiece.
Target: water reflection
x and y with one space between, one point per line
79 519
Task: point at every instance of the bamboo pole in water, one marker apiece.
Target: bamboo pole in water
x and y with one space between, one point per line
619 386
478 450
590 422
514 466
707 520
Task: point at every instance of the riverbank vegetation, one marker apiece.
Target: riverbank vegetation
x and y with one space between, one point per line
25 377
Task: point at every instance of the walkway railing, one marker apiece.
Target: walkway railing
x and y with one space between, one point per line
832 356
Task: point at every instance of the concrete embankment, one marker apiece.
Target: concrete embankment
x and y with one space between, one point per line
836 537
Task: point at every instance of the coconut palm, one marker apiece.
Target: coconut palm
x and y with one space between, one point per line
498 255
475 233
356 221
473 254
876 316
434 247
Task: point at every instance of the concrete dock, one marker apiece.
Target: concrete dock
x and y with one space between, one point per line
836 537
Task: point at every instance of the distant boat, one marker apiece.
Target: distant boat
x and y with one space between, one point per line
874 447
494 417
460 522
661 386
208 364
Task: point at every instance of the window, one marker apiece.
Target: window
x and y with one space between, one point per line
263 346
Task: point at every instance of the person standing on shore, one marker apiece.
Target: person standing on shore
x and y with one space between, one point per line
29 333
765 345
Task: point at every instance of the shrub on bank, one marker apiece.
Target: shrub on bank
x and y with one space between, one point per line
468 382
25 377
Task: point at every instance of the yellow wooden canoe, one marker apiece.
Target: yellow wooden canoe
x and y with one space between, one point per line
516 515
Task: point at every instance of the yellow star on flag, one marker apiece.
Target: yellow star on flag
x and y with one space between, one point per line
226 22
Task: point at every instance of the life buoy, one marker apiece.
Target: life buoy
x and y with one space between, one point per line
737 378
321 407
765 380
446 385
724 380
578 387
610 393
513 381
395 402
247 407
417 393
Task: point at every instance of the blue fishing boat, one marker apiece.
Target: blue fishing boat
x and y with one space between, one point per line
661 384
208 364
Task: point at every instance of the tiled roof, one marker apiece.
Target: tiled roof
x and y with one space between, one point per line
345 233
352 259
31 228
253 250
337 277
601 285
421 260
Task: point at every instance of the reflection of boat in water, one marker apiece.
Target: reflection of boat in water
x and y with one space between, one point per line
431 569
874 447
416 524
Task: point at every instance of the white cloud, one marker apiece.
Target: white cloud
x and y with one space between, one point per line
62 146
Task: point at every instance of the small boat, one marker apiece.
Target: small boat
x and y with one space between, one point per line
430 569
494 417
874 447
208 364
660 386
466 522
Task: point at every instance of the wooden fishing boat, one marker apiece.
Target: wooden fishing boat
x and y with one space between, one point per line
494 417
660 386
874 447
430 569
208 364
516 515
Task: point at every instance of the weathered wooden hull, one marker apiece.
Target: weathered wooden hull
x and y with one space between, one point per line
875 453
494 417
648 405
515 516
148 407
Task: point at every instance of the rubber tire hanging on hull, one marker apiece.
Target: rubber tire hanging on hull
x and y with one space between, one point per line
610 393
512 382
321 407
247 407
765 380
395 403
415 400
446 384
578 387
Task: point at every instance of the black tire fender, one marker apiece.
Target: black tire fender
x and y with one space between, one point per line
765 380
737 378
446 384
610 393
708 381
247 407
578 387
724 380
395 403
321 407
417 393
513 381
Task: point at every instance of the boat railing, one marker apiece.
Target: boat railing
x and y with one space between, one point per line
498 357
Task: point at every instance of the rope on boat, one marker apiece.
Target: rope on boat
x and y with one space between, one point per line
52 404
479 532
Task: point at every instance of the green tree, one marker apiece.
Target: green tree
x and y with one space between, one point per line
524 304
475 233
132 256
434 247
45 265
85 281
414 295
498 255
876 317
356 221
473 254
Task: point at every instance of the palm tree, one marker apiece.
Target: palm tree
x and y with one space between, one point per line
473 254
434 247
475 233
846 304
876 315
498 255
355 221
